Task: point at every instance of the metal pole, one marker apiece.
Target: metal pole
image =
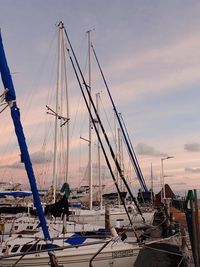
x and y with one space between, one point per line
56 119
90 123
99 155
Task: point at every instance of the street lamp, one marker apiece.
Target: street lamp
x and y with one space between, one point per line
162 173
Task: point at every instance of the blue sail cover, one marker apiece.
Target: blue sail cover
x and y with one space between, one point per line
5 74
15 114
75 239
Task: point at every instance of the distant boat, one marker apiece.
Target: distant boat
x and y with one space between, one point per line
16 193
4 186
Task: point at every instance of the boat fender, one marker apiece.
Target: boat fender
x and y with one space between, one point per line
6 250
2 227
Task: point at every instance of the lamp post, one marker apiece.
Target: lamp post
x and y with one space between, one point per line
162 173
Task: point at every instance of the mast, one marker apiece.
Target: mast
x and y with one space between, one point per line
90 123
99 156
120 161
116 154
120 155
61 94
56 118
10 98
67 103
122 158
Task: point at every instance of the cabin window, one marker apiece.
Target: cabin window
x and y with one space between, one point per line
38 247
26 248
15 248
45 246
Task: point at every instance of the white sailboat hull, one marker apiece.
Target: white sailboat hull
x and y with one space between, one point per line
115 255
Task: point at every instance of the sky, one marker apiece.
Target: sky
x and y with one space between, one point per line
149 52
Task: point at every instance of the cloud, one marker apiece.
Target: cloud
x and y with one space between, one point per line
176 53
104 171
192 147
16 165
179 183
41 157
159 70
36 158
192 170
143 149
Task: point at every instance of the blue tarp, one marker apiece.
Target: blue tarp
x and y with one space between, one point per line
75 239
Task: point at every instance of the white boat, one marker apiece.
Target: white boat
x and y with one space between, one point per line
70 250
5 186
24 223
118 216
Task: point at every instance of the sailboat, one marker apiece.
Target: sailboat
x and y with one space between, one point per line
38 247
71 250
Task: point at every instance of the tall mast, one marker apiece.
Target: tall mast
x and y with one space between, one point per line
67 104
99 156
90 123
122 158
116 154
56 117
120 147
119 160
